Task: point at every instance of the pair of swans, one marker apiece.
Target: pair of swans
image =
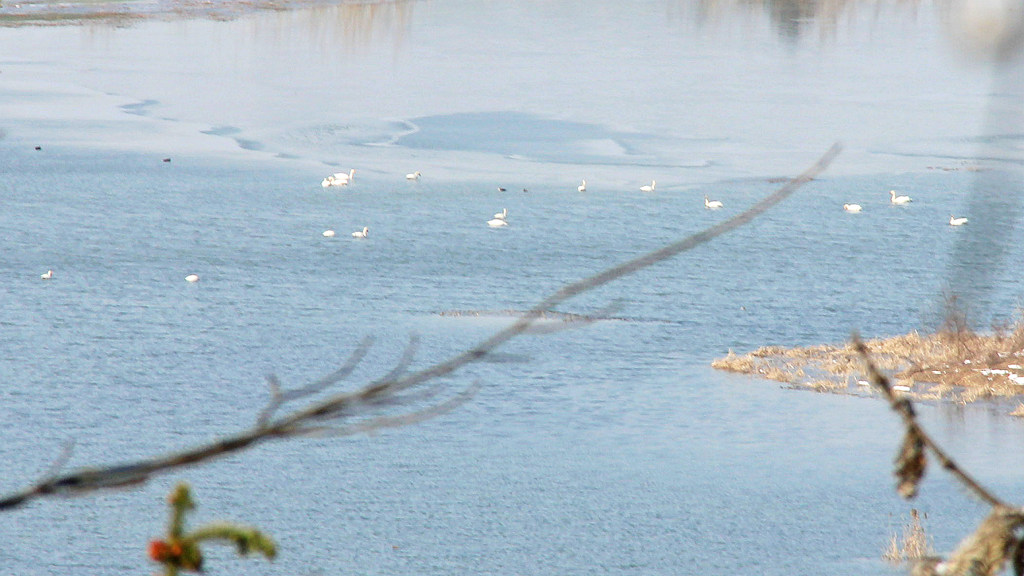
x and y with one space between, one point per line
339 179
357 234
893 199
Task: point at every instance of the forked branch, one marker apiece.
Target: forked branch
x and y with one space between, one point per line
359 411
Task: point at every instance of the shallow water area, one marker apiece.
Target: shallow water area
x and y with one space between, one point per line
610 446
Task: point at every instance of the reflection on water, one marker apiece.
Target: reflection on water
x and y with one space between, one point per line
990 26
793 19
352 26
354 23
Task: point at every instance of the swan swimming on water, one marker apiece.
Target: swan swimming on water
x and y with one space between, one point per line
501 215
851 207
192 278
339 179
361 233
48 275
898 199
329 233
497 222
582 187
954 221
649 188
413 176
712 204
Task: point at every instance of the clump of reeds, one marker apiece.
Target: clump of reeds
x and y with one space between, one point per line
734 363
770 368
954 363
916 543
824 385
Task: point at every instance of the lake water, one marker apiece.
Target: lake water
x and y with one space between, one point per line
612 448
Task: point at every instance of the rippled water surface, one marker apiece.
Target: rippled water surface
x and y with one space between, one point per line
609 448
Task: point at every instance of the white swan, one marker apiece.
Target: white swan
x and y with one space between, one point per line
48 275
413 176
582 187
329 233
852 207
954 221
361 233
898 199
712 204
497 222
339 179
649 188
501 215
192 278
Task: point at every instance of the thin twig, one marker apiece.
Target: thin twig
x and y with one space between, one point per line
62 460
396 421
402 366
278 398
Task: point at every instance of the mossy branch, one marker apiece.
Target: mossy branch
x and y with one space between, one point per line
181 549
245 538
181 504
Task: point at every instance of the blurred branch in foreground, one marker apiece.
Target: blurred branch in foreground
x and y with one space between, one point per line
372 407
996 541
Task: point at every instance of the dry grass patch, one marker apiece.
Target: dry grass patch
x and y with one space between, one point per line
733 363
770 368
826 386
954 363
913 545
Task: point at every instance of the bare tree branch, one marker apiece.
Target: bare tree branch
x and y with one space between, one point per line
278 398
324 417
915 435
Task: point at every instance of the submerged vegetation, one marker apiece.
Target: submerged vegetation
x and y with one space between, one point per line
955 363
